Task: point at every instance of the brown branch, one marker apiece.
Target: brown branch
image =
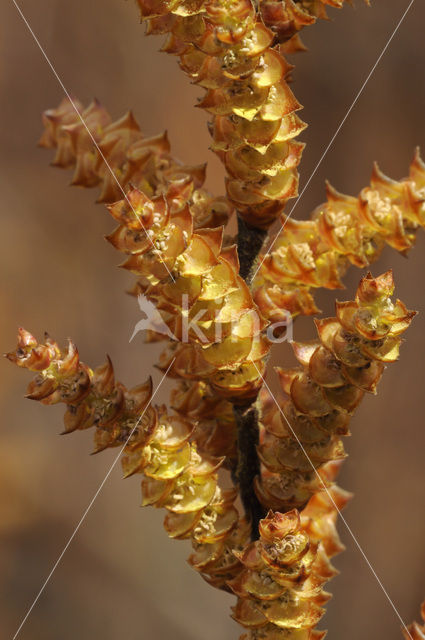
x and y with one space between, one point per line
248 466
250 241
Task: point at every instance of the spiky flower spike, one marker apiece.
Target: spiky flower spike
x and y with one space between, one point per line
195 285
280 588
287 17
93 398
416 631
181 264
115 155
315 253
337 370
158 445
225 48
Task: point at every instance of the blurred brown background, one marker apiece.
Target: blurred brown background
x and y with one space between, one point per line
122 577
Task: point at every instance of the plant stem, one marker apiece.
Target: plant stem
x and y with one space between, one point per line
248 466
250 241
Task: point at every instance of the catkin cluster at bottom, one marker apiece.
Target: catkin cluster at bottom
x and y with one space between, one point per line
280 587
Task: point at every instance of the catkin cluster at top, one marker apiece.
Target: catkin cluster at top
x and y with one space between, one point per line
225 48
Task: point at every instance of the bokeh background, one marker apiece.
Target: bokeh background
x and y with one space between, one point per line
121 577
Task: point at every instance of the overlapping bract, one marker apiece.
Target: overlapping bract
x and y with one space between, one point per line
304 432
345 230
280 587
415 631
225 48
215 430
159 445
115 156
287 17
194 282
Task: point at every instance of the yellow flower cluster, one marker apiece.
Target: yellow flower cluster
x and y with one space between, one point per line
225 48
176 475
115 155
280 587
173 242
195 285
347 361
316 253
278 579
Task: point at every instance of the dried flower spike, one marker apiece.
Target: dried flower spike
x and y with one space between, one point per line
225 48
316 253
279 589
336 371
156 444
116 156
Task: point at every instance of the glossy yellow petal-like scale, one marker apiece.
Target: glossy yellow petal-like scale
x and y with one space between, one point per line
192 496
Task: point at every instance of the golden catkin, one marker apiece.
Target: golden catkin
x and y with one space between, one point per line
156 444
336 371
171 231
345 230
115 156
280 587
178 260
196 288
225 48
